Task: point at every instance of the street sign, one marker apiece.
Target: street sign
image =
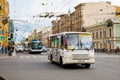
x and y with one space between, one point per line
12 39
2 38
108 41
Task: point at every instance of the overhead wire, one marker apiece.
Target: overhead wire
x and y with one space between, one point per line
66 5
58 5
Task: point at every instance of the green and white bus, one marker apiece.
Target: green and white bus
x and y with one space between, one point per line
35 46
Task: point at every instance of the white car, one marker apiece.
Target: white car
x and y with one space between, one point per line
19 48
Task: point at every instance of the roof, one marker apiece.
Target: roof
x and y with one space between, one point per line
39 29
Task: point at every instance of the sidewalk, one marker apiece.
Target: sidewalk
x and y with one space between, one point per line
105 53
4 56
109 55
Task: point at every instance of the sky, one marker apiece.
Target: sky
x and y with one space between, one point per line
23 12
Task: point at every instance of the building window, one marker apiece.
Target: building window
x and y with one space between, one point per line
100 35
93 35
96 35
100 45
104 34
96 45
110 31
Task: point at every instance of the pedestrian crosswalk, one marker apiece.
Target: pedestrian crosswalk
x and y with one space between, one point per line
33 56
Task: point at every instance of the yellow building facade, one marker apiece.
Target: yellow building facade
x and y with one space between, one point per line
4 12
118 11
106 35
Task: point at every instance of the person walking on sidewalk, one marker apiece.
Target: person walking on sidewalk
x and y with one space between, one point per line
2 49
6 49
117 50
9 51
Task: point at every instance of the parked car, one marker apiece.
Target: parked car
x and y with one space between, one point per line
19 49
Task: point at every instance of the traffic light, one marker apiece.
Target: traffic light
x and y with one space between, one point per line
11 36
9 39
110 24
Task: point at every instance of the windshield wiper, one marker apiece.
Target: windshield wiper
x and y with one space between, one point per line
73 48
86 48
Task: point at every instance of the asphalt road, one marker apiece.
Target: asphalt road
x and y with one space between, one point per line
37 67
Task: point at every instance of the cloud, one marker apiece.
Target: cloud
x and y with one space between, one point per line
24 10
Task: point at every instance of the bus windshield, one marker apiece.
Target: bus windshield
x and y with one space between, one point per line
36 45
78 41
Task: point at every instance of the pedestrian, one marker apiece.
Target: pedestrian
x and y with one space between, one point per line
6 50
103 50
117 49
2 49
9 51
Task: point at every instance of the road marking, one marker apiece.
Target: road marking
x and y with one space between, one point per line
41 57
21 57
34 56
6 57
27 56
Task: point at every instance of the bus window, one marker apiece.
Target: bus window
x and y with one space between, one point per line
66 43
36 45
76 41
55 42
71 41
40 45
86 42
62 42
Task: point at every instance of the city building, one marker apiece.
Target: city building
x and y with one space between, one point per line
41 33
46 32
117 11
31 36
11 36
55 26
106 35
93 17
4 11
85 14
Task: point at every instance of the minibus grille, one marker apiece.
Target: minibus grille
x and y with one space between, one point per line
80 56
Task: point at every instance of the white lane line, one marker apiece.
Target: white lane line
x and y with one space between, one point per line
21 57
41 57
27 56
34 56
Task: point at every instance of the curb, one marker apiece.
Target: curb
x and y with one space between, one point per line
7 57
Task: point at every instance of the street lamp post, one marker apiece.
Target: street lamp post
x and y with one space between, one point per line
109 25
